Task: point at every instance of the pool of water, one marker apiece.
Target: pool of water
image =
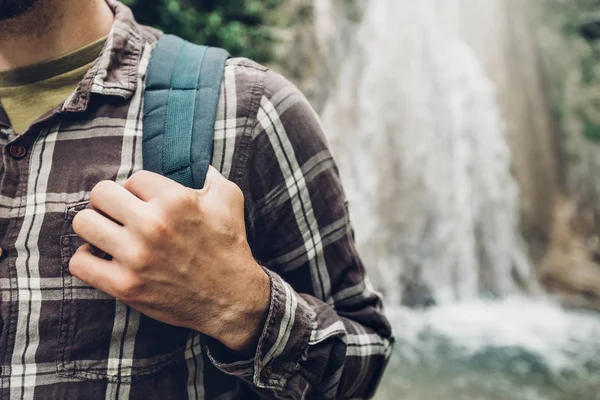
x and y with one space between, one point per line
513 349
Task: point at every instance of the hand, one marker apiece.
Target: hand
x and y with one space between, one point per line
179 255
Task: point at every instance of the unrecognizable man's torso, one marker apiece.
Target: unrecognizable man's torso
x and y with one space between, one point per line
58 334
325 334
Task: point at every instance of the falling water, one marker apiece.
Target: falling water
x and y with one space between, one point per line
417 130
419 137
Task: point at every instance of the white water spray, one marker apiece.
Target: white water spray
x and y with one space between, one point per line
418 134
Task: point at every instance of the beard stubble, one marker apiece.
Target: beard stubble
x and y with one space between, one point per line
10 9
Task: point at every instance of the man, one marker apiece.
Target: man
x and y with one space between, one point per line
118 283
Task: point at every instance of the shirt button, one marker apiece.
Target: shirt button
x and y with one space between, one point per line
17 151
267 372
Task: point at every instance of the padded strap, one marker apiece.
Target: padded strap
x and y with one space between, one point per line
207 103
180 105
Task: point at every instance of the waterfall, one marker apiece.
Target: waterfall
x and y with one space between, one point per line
417 130
420 133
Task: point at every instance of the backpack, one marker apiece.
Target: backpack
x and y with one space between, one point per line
182 92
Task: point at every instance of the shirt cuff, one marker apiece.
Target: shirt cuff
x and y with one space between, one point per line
282 346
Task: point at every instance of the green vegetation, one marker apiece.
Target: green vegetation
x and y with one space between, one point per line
588 68
591 129
240 26
567 34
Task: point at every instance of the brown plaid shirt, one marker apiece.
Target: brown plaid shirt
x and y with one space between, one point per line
325 335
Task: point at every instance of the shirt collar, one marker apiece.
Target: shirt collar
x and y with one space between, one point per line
115 72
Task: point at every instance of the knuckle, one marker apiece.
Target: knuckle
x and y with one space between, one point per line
176 201
157 226
128 289
140 257
234 197
235 191
185 198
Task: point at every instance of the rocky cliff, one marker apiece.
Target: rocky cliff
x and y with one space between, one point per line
568 37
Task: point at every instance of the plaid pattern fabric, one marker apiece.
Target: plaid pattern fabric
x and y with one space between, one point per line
325 335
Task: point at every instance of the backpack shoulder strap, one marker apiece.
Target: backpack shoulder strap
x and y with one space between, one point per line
181 97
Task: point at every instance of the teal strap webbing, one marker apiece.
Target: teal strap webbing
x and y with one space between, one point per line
207 103
179 121
180 104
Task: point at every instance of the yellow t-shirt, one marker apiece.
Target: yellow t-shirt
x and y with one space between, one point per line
29 92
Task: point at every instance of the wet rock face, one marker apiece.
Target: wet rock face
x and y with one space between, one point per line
567 35
416 294
571 269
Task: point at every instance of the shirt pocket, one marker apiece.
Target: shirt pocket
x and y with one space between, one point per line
103 339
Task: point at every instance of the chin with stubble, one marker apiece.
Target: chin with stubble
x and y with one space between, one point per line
13 8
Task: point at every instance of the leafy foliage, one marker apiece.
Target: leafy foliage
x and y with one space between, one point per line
569 33
240 26
591 129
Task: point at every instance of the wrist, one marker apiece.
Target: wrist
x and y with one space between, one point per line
243 325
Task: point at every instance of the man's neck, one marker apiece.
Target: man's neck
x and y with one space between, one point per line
51 29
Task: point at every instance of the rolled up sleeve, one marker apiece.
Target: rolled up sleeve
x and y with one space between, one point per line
326 335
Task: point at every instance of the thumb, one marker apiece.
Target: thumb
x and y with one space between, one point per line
221 190
213 179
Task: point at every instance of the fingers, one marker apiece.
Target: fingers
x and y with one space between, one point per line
147 185
116 202
100 231
104 275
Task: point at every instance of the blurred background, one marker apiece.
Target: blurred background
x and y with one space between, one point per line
468 138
